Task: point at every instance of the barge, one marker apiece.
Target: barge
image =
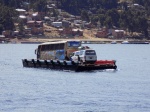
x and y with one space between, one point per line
58 55
69 65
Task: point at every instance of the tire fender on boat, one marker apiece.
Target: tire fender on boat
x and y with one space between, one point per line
33 61
26 61
58 62
38 62
46 63
65 63
52 62
72 62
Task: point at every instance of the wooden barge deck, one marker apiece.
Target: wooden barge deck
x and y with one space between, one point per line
66 65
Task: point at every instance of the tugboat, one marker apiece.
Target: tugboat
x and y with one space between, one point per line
61 55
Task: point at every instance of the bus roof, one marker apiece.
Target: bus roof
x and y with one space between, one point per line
59 42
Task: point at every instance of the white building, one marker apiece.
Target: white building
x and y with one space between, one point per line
57 24
118 33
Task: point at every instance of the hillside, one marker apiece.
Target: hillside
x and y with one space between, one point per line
132 16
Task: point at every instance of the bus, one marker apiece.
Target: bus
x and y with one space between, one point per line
60 50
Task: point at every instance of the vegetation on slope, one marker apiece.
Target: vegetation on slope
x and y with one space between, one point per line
110 13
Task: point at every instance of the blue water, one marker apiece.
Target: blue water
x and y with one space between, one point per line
42 90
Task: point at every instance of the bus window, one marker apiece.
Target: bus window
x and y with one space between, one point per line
46 48
61 46
43 48
51 47
56 46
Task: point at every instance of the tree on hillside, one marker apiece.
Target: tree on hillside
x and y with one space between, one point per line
21 27
6 15
109 4
145 3
12 3
102 19
94 20
1 28
108 22
114 15
134 21
76 6
85 16
40 5
143 25
55 13
123 21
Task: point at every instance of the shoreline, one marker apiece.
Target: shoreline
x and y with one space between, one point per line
84 40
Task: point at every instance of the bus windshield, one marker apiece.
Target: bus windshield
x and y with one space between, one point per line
73 44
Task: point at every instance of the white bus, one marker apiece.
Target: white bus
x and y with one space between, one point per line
60 50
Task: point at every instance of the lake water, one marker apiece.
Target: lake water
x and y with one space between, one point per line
42 90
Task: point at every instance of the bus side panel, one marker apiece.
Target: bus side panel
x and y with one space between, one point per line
47 55
57 54
60 54
70 51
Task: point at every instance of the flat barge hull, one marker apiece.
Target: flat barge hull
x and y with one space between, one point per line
65 65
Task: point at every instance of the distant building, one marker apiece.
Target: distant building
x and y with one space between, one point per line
102 33
23 18
31 24
34 27
57 24
7 33
37 30
118 34
66 24
15 33
65 31
37 16
77 21
136 7
29 18
78 32
70 31
2 38
21 11
27 31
